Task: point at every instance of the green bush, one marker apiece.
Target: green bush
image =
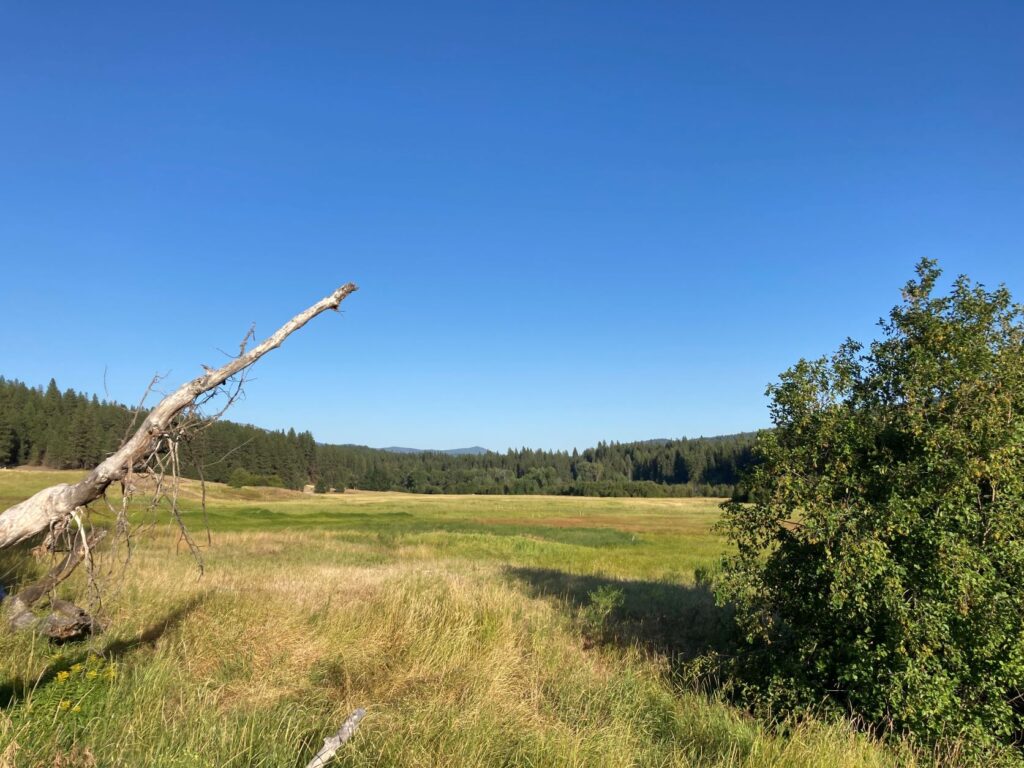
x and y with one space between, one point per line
879 567
240 477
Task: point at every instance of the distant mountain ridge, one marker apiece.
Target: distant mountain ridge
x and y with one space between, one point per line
475 450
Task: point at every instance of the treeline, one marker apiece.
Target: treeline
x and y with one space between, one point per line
70 430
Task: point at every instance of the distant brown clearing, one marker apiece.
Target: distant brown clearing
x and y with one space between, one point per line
619 522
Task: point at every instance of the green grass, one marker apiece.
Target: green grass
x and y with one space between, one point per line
477 631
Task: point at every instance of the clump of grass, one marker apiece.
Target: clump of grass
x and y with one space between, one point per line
596 614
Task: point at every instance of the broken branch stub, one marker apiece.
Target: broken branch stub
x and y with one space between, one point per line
55 504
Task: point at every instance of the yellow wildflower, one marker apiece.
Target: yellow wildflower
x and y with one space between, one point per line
92 674
62 676
76 708
64 704
76 667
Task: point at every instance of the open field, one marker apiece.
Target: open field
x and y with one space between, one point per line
477 631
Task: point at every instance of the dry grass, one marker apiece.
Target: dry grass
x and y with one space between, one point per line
467 645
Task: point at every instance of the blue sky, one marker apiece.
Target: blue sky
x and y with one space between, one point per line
569 221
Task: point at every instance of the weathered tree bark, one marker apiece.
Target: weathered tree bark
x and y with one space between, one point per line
333 743
56 504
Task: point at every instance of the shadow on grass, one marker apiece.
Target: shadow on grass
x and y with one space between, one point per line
678 621
14 690
17 566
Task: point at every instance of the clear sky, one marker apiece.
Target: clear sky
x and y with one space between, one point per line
569 221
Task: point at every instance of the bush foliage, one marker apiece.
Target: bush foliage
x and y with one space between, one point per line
879 566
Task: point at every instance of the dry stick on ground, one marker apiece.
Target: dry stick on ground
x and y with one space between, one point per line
52 508
333 743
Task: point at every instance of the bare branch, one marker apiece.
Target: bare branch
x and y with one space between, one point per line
18 611
56 503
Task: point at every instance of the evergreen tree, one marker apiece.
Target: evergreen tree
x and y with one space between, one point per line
55 429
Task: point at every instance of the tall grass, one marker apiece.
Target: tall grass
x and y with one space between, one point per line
465 626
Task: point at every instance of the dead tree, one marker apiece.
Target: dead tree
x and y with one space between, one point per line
55 509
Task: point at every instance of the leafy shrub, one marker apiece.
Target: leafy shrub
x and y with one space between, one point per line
880 565
241 477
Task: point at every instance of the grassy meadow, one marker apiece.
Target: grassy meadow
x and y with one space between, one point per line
476 631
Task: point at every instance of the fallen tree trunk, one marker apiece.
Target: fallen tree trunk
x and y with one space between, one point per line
54 505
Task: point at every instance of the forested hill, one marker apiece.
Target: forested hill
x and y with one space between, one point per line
70 430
